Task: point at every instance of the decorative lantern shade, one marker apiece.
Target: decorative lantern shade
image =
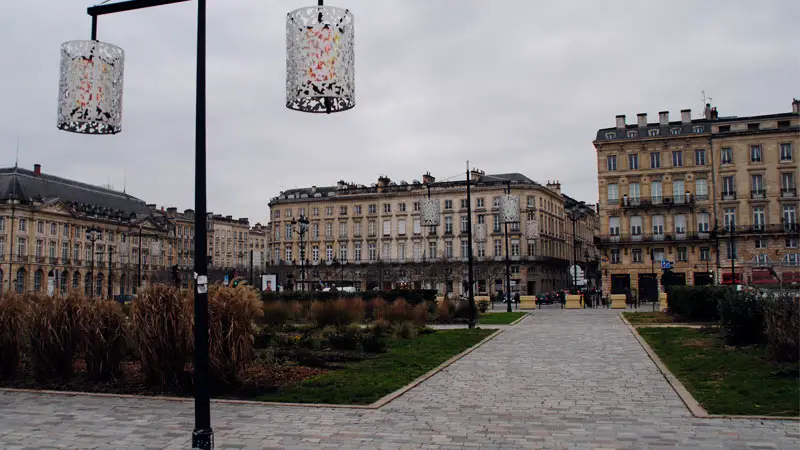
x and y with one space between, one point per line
509 208
479 232
532 228
155 249
429 212
90 88
320 62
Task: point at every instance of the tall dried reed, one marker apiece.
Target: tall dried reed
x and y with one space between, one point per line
55 334
13 332
232 314
106 339
161 328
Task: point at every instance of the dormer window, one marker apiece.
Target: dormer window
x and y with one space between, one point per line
698 129
611 135
633 134
653 132
674 131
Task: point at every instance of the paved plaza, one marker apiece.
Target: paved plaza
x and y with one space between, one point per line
560 379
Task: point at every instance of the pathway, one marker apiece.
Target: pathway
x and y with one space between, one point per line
561 379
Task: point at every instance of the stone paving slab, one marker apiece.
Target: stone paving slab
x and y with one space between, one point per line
562 379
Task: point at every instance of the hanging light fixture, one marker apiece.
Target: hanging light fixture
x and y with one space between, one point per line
90 87
320 61
429 210
509 208
532 228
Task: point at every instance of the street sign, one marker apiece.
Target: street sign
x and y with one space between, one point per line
665 265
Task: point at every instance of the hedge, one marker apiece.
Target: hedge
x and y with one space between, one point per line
741 316
696 303
782 327
412 296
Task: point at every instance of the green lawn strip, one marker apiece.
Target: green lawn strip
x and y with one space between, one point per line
649 317
367 381
503 318
727 380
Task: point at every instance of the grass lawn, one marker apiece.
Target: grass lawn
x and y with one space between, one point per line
727 380
503 318
649 317
365 382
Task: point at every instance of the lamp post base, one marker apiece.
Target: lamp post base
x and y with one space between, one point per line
203 439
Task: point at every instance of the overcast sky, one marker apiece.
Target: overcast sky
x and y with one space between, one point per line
513 86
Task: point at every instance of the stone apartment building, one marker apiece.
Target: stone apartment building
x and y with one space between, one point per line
371 236
44 237
228 242
679 191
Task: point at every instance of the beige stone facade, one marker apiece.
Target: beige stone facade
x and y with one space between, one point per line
372 237
670 189
44 245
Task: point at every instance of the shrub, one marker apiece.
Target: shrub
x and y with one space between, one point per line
105 329
419 315
232 313
344 339
741 317
375 338
339 313
55 335
276 313
161 328
696 303
483 306
13 331
443 312
398 311
405 330
461 309
375 308
782 327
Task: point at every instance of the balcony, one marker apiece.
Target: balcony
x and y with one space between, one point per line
658 201
761 229
788 192
654 237
758 194
728 195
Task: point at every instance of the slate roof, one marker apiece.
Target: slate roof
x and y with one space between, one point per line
27 187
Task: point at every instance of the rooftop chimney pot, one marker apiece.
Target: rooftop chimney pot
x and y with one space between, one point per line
686 116
37 170
642 119
663 118
796 106
621 121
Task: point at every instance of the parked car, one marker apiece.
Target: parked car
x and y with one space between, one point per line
124 298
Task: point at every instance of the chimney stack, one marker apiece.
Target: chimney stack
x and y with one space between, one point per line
796 106
686 116
663 118
172 212
428 178
642 119
37 170
621 121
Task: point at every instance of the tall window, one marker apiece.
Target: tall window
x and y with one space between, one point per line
730 249
636 255
39 245
757 182
680 223
787 182
401 227
343 252
786 151
633 161
755 153
357 251
496 223
463 224
615 256
658 225
498 247
342 229
372 252
514 247
655 191
387 227
464 249
315 253
726 155
677 158
655 160
701 189
759 217
700 157
401 251
432 249
705 253
372 228
634 192
611 162
728 186
448 225
357 229
328 252
613 194
789 215
729 218
448 249
417 226
636 225
613 226
678 191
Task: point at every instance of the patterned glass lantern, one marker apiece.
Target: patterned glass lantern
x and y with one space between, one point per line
155 249
429 212
90 87
479 232
532 228
509 208
320 62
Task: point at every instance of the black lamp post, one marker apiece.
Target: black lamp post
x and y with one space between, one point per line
302 227
473 311
317 82
509 207
92 234
575 213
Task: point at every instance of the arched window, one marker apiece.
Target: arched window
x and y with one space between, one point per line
20 281
37 280
63 282
76 280
99 285
87 284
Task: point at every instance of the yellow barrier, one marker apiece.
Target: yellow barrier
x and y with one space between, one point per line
573 302
618 301
662 301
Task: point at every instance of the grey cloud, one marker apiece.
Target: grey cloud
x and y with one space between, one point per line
510 85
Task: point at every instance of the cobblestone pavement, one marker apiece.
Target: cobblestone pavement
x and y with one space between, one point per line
561 379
